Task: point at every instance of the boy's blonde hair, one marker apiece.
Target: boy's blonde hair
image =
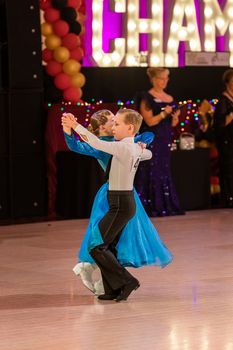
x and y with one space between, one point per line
132 117
98 118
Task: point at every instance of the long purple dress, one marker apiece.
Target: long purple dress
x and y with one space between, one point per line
153 179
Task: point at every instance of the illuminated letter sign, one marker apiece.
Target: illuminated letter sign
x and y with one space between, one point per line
214 17
114 58
125 50
179 33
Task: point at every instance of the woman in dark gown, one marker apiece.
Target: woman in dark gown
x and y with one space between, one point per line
153 180
223 124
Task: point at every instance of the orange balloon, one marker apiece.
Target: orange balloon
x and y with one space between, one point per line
46 29
81 18
78 80
71 67
52 42
83 31
61 54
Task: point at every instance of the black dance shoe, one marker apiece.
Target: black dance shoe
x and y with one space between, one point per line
127 289
108 296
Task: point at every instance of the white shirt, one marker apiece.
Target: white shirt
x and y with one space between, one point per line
126 157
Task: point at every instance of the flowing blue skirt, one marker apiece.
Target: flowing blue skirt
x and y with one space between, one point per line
139 244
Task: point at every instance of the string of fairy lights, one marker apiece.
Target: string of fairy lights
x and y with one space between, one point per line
189 119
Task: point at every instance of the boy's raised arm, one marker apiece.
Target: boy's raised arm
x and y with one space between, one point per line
113 148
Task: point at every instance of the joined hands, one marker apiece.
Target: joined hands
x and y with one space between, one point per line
68 122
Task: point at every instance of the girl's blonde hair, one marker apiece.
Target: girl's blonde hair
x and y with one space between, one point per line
98 118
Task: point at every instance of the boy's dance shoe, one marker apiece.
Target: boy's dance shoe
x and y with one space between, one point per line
127 289
108 296
111 295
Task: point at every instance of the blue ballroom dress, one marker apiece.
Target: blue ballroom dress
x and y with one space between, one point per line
139 244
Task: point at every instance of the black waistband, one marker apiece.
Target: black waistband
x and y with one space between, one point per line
120 192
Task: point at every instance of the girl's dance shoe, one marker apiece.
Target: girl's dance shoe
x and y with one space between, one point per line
85 271
99 287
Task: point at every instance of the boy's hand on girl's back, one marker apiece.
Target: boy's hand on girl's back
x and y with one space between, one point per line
142 145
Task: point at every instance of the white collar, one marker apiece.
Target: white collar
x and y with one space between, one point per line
128 140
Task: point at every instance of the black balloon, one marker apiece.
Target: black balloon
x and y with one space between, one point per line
68 14
59 4
75 28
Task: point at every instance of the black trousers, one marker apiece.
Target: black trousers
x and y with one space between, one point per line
226 172
121 209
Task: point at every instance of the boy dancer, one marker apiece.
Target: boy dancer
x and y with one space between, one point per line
118 282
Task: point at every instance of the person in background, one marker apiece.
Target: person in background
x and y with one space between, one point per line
154 180
223 125
204 138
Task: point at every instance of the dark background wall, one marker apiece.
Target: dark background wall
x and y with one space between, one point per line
110 84
22 159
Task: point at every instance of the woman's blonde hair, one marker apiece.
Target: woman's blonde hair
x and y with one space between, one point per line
153 72
227 76
98 118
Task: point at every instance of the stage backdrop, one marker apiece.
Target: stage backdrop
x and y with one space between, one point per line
167 33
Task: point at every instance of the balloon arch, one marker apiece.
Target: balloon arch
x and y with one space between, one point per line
62 29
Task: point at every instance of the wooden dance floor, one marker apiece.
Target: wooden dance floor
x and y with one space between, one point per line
186 306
